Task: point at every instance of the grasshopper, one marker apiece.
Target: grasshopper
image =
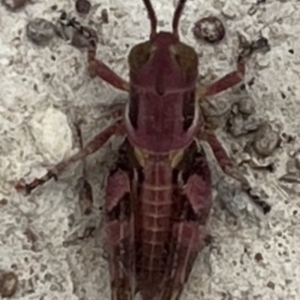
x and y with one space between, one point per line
158 193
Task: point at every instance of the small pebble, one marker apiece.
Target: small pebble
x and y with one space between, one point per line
14 4
246 106
239 125
209 29
8 284
258 257
266 140
40 31
83 6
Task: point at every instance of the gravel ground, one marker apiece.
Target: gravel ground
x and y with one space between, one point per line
45 89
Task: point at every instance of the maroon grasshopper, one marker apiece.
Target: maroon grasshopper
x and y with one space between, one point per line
158 194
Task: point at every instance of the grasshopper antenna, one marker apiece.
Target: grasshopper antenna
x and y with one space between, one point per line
177 14
152 16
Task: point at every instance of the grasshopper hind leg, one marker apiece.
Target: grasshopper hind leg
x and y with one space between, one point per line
189 236
119 225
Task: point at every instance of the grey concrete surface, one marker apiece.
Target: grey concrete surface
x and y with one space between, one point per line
44 90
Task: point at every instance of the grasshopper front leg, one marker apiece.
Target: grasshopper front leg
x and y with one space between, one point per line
189 235
94 145
235 77
97 67
229 80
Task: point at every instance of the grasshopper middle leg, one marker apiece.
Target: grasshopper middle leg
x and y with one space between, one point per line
189 236
231 170
94 145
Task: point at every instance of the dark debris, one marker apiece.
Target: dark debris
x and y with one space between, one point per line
83 6
71 30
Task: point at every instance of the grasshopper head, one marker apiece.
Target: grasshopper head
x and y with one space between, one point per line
163 62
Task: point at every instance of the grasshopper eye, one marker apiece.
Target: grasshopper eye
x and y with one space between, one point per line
139 55
185 56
